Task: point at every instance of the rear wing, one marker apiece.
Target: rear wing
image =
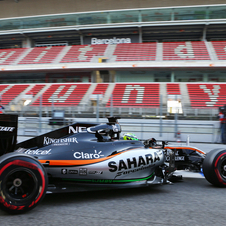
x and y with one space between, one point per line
63 132
8 133
9 126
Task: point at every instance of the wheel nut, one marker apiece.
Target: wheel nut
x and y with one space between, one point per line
17 182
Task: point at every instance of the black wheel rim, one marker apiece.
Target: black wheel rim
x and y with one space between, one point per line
20 184
223 168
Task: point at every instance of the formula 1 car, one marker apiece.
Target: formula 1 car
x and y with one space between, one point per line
88 156
185 157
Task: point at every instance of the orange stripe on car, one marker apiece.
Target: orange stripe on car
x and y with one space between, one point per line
190 148
77 162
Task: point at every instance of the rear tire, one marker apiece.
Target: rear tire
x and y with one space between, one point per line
23 183
214 167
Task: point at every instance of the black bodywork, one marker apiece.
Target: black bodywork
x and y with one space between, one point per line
83 156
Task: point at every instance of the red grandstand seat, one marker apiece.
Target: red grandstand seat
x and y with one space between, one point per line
10 92
8 56
101 88
42 55
142 95
62 94
35 89
3 88
207 95
195 50
173 89
135 51
83 53
220 49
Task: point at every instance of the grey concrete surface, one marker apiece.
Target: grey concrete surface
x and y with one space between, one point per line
191 202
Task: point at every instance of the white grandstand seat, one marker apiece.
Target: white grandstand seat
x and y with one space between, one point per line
83 53
35 90
220 49
207 95
8 56
62 94
195 50
133 95
100 88
10 92
141 95
2 87
42 55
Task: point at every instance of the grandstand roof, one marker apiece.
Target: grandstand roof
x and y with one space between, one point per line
151 24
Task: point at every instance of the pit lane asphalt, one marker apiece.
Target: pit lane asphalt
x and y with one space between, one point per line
190 202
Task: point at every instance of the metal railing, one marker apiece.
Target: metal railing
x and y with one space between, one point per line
171 130
128 112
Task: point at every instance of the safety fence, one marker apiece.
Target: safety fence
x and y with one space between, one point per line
170 130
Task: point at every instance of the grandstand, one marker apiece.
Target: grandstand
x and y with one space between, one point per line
196 51
135 58
134 98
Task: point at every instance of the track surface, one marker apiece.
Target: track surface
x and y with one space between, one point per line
191 202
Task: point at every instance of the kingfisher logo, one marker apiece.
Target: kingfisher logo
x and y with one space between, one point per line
86 155
48 140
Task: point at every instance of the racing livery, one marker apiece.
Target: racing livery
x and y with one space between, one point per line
87 156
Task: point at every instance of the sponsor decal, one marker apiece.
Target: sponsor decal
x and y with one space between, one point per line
7 129
86 155
95 41
64 171
132 170
134 164
60 141
179 158
38 152
21 150
76 129
83 172
102 181
95 172
73 171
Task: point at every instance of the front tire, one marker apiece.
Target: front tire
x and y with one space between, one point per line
23 183
214 167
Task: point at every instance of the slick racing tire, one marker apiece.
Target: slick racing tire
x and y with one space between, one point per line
214 167
23 183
